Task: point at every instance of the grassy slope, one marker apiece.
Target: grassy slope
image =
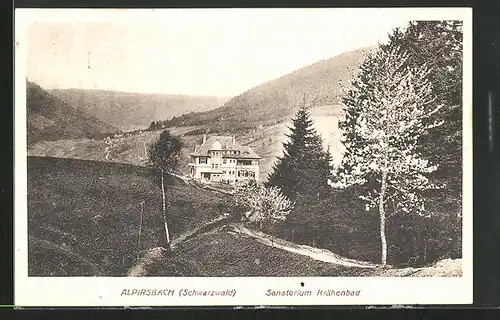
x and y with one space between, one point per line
84 216
83 220
224 254
130 111
49 118
277 99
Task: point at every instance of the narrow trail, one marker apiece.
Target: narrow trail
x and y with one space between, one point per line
155 255
222 223
312 252
106 157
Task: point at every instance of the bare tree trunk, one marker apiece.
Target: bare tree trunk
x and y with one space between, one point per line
167 236
272 237
425 251
425 242
381 210
140 230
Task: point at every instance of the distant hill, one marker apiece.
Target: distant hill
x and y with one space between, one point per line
258 118
49 118
266 141
131 111
273 101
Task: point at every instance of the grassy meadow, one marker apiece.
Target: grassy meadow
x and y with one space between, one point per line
84 216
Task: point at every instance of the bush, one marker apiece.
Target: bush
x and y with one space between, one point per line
267 205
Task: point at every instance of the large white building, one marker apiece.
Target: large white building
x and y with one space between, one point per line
221 159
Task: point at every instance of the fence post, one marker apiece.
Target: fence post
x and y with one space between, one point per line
140 230
167 236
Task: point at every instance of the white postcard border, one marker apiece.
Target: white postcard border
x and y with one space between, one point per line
107 291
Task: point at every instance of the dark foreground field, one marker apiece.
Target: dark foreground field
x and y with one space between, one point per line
228 252
84 216
225 254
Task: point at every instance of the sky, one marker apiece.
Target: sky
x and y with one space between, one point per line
195 52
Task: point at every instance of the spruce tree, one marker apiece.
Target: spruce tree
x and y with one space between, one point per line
304 168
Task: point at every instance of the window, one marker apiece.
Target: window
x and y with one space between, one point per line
202 160
244 162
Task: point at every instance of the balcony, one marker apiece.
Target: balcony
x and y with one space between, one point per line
247 166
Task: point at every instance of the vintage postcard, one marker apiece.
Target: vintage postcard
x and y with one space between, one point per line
237 157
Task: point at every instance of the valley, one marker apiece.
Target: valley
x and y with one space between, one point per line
131 111
267 142
259 117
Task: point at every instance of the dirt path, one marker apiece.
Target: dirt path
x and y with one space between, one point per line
155 255
313 253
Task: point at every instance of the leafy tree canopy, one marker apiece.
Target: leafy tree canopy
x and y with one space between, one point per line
165 153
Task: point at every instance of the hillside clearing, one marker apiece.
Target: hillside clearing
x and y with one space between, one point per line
84 216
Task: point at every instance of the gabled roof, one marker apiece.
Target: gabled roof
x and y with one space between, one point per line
224 143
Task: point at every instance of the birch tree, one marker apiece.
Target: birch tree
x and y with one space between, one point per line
165 154
438 44
386 111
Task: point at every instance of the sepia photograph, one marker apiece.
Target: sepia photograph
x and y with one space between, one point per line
243 145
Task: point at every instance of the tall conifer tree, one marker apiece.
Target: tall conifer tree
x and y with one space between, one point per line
304 168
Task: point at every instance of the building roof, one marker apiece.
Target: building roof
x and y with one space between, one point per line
224 143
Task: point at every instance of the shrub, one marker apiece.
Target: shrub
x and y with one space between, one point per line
267 205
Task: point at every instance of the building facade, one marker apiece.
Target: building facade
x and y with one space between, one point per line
221 159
